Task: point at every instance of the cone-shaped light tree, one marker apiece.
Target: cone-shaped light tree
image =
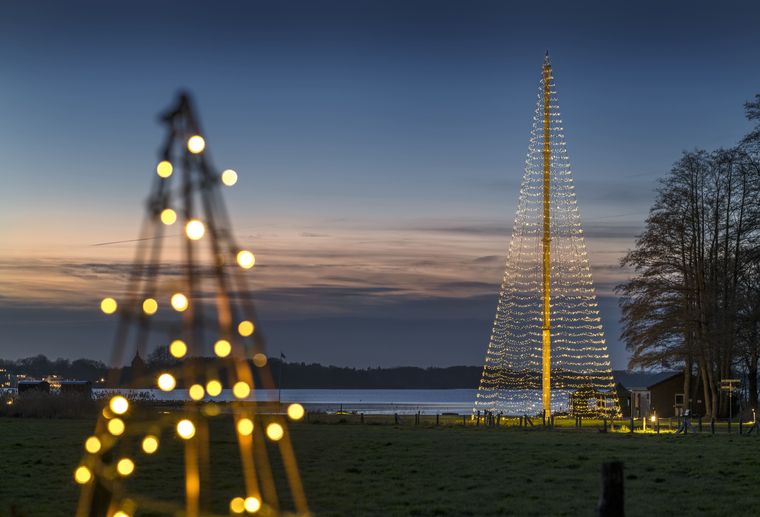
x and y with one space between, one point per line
547 341
198 305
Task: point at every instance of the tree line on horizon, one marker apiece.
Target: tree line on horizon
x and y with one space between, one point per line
694 298
293 375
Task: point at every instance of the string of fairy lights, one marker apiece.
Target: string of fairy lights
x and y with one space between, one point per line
201 310
512 371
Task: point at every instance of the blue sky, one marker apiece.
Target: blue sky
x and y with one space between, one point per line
379 145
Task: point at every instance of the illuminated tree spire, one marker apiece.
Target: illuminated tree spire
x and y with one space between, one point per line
547 338
197 304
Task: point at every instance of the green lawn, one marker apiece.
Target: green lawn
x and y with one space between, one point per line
420 470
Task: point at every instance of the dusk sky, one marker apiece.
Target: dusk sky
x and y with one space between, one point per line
380 147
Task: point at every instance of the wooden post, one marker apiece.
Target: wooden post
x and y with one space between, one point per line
362 417
477 421
605 424
580 422
437 419
700 424
395 418
712 425
740 426
464 420
611 501
632 422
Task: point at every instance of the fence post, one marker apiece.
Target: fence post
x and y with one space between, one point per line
740 425
700 424
604 420
395 418
632 422
712 425
611 501
464 420
362 415
437 419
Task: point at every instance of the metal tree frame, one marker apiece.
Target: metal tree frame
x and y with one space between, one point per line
210 311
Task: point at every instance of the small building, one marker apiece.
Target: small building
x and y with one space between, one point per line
33 386
643 394
76 388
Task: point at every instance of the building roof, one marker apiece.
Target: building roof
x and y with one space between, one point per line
641 380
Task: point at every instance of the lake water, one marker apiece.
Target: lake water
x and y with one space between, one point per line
428 402
364 401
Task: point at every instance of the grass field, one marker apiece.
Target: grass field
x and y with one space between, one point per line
419 470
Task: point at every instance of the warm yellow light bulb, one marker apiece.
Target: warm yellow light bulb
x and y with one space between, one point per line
196 392
116 426
241 390
252 504
296 411
245 259
108 305
222 348
213 388
196 144
166 382
92 445
119 405
164 169
82 475
185 429
125 467
179 302
275 431
149 306
237 505
178 348
121 513
150 444
260 360
246 328
168 216
229 177
194 229
245 426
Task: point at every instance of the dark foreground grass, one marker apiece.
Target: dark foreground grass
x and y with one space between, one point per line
417 470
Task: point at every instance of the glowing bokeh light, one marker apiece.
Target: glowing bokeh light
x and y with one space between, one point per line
222 348
213 388
125 467
166 382
260 360
168 216
196 392
82 475
185 429
246 259
252 504
296 411
229 177
119 405
241 390
179 302
178 348
164 169
237 505
149 306
195 229
92 445
246 328
108 305
150 444
116 426
196 144
245 426
275 431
